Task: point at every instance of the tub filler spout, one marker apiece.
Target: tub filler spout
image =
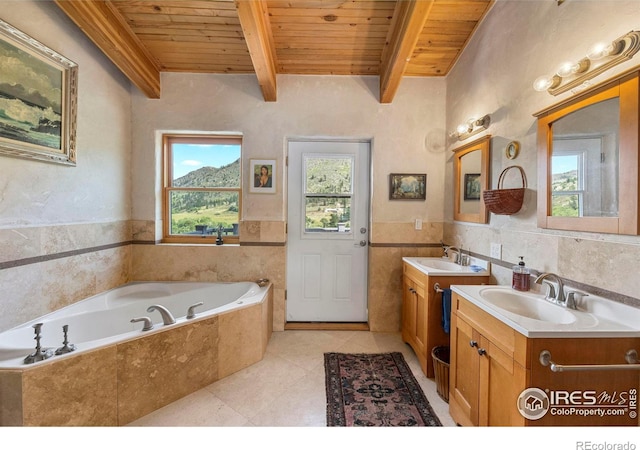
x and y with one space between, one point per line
167 317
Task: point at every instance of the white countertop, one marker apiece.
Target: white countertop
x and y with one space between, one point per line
595 317
445 267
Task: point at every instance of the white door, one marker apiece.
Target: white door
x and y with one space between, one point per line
328 220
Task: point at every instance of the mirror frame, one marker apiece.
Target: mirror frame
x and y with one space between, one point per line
626 87
481 145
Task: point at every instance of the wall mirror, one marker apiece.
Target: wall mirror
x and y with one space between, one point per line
588 160
471 178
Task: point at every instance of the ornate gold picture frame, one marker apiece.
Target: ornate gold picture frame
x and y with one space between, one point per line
38 100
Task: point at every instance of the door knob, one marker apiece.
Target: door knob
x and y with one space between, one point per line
363 243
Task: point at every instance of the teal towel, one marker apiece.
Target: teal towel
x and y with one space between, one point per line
446 309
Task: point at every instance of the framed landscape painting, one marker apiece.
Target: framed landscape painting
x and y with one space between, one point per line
407 186
38 100
472 186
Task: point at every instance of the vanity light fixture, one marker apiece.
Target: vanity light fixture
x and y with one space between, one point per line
574 75
471 127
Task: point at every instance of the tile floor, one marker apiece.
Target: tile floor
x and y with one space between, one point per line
286 388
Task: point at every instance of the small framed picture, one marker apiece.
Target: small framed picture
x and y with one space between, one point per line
263 176
472 186
407 186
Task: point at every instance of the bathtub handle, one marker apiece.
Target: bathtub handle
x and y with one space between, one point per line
190 312
147 323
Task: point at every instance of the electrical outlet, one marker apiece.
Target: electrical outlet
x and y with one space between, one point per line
496 250
418 224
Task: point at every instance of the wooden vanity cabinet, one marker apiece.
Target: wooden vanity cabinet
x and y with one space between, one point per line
422 312
487 370
492 364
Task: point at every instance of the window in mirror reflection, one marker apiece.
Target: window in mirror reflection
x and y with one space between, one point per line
584 162
566 187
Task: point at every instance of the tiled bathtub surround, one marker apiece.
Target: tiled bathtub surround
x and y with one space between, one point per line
120 383
48 268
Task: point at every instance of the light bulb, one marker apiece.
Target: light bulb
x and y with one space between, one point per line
570 68
542 83
565 69
463 128
601 50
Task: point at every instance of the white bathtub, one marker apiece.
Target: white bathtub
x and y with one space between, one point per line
105 319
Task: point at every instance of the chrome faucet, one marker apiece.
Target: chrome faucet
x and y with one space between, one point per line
147 322
167 317
555 297
460 258
458 254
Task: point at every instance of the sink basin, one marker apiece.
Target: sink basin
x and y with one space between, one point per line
446 267
530 314
439 264
529 306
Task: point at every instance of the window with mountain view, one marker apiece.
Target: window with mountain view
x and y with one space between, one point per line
567 190
328 190
202 188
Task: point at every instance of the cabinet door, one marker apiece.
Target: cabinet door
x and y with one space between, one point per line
408 311
421 321
501 382
464 380
414 314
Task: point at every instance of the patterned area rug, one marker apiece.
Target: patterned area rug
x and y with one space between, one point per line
374 390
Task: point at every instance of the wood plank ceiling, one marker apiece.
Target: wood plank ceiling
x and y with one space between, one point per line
387 38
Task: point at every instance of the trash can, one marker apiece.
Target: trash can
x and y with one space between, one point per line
441 368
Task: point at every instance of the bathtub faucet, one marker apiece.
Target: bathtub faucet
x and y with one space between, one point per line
191 314
167 317
147 323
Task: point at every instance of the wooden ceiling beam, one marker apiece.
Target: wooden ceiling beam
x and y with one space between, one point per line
254 20
409 18
104 25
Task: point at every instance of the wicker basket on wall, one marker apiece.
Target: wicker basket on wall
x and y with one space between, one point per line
505 201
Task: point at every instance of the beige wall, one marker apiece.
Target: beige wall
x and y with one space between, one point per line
407 136
112 197
516 43
49 209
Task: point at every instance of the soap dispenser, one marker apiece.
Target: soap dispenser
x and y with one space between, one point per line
521 276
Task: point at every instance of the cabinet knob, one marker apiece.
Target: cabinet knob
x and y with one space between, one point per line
412 290
473 343
482 351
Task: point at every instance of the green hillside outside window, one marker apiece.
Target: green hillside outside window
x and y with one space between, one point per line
203 188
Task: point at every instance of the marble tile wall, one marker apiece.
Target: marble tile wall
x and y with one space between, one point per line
11 395
242 343
214 263
80 390
404 233
584 260
47 268
158 369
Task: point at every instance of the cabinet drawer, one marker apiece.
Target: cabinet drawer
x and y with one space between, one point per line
417 277
501 335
